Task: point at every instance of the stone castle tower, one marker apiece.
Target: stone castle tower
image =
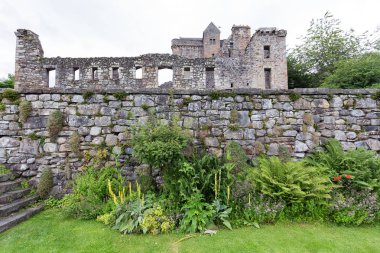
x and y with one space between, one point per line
242 60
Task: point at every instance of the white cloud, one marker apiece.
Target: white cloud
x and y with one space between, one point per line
74 28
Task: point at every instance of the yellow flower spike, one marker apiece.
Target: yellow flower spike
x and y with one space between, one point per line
130 187
249 199
228 194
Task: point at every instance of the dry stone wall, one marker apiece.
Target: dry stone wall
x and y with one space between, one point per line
268 122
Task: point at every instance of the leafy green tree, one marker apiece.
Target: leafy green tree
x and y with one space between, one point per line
361 72
325 44
9 82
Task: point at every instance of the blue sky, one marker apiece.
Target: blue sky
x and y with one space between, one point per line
89 28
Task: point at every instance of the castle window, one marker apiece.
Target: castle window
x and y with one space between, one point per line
231 44
266 52
210 78
165 75
229 52
268 78
94 73
186 72
138 72
212 42
232 85
51 77
76 74
115 73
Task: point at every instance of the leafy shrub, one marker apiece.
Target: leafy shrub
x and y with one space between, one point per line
160 146
376 95
197 214
74 143
130 215
352 207
45 184
55 124
362 165
222 213
2 107
11 95
4 170
290 181
360 72
25 110
107 218
310 210
155 222
89 197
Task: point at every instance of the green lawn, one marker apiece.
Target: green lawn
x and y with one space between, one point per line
50 232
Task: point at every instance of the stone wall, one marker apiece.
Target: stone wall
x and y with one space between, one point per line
261 121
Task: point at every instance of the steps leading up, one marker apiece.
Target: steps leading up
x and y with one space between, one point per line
15 218
15 202
8 197
9 186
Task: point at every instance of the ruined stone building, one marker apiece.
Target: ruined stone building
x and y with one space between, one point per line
240 61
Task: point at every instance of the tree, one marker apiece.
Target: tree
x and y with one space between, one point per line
360 72
9 82
324 44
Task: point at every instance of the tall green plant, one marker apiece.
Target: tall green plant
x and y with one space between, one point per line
290 181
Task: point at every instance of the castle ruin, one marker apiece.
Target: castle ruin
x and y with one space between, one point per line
240 61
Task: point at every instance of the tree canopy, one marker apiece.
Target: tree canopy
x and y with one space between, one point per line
8 82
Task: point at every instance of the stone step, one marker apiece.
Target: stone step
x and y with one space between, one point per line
6 177
17 205
13 195
15 218
9 186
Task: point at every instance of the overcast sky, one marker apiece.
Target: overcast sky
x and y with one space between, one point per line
79 28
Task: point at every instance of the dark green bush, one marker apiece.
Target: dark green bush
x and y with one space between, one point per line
120 95
88 94
55 124
45 184
294 96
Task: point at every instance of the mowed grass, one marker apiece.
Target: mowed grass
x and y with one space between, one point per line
49 231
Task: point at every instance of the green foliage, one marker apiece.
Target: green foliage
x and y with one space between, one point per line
310 210
234 115
55 124
294 96
155 222
324 44
9 82
160 146
290 181
222 213
130 215
25 110
363 165
360 72
215 95
45 184
120 95
351 207
52 202
4 170
89 197
87 94
107 218
11 95
198 214
376 96
74 143
145 107
2 107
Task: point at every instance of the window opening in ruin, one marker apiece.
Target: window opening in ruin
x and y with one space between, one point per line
232 85
186 72
51 77
247 84
165 75
212 42
267 74
76 74
266 52
138 72
213 55
94 73
210 78
231 44
229 52
115 73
